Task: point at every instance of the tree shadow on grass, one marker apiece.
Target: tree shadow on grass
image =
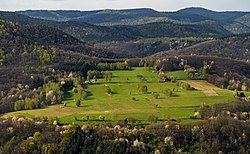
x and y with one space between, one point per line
89 93
175 95
84 105
114 92
85 86
159 98
68 96
103 83
190 106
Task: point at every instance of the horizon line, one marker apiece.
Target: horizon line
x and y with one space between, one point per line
122 9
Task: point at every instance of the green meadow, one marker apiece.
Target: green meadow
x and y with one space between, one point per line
127 101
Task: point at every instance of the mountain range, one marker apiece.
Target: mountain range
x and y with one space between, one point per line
233 21
137 32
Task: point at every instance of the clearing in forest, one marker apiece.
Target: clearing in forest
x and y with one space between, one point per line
127 101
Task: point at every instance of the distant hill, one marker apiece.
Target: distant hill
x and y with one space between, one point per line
233 21
124 40
223 16
230 20
235 47
92 17
95 33
147 47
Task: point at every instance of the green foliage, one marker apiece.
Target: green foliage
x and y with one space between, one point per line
144 89
156 95
141 78
54 95
168 92
102 118
93 74
37 135
27 104
185 85
71 141
76 65
78 102
107 75
108 89
113 66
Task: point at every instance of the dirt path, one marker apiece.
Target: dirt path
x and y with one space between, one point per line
207 89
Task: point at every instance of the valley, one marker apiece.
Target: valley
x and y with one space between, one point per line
132 81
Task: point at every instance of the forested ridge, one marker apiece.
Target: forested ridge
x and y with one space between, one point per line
235 47
94 33
233 21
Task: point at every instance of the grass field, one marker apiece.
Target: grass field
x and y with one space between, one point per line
120 104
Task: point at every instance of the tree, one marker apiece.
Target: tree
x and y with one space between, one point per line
241 94
83 95
156 95
108 89
102 118
110 77
144 89
37 135
141 78
95 78
168 92
72 140
78 102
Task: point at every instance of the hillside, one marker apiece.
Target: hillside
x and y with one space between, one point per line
146 47
232 21
22 35
99 17
235 47
221 16
27 50
93 33
126 40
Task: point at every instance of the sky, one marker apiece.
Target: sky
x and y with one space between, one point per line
160 5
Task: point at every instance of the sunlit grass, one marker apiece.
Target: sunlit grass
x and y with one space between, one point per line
121 105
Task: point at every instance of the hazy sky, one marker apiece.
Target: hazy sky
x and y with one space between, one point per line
163 5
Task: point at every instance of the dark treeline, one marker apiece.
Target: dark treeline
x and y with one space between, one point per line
113 66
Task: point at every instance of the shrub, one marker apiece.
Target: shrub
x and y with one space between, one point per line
102 118
156 95
78 103
185 85
144 89
168 92
108 90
